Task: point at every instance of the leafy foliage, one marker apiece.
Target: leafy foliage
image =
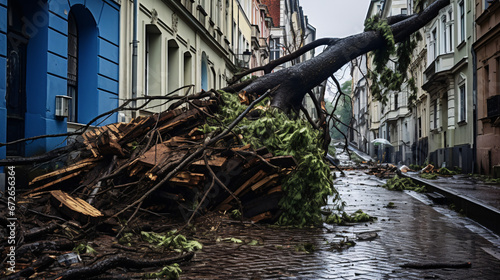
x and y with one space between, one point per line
446 171
171 240
399 184
343 112
84 248
308 187
430 176
168 272
343 218
391 74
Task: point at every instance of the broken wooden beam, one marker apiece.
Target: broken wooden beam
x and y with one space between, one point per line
74 207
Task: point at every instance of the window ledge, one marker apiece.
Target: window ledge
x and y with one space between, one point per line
461 45
462 123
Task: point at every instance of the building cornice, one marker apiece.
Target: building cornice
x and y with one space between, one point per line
487 37
487 13
198 27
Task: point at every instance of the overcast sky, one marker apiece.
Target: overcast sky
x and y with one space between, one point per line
336 18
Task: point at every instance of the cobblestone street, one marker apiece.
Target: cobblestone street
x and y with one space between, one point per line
413 231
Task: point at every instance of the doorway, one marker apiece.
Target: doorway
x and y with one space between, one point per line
17 44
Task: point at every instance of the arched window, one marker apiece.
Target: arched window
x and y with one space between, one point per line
187 69
173 65
81 77
72 77
204 71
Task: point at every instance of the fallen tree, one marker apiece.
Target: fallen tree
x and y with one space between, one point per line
194 159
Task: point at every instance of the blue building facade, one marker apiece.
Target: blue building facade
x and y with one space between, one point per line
50 48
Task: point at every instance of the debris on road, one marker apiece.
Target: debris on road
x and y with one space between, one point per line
138 177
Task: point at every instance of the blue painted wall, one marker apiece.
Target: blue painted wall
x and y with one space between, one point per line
46 24
3 76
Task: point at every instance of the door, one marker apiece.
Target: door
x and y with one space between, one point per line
16 80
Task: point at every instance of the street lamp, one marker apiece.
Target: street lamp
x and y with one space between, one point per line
246 56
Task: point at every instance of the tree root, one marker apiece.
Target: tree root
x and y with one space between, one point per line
58 245
119 261
37 266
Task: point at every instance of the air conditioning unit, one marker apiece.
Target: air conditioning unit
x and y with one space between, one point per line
62 106
493 106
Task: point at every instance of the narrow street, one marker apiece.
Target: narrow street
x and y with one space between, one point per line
414 231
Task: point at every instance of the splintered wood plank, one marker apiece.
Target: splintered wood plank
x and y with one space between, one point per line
261 216
253 179
181 119
214 161
69 176
79 165
242 148
187 179
155 155
264 181
74 207
275 189
107 144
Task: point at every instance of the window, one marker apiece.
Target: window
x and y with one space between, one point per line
275 49
461 8
204 71
404 11
419 127
396 101
486 80
444 38
187 68
450 31
462 114
173 57
72 76
435 114
152 59
434 43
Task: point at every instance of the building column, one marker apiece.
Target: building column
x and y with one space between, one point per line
451 116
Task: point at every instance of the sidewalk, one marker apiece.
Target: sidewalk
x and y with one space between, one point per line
411 231
471 197
476 199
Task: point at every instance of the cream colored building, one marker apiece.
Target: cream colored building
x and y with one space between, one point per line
188 42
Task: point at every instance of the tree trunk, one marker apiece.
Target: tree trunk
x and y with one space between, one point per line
294 82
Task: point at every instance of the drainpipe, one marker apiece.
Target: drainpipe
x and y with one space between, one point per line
474 110
134 56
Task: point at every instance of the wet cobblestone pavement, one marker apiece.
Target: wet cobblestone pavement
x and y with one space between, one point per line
414 231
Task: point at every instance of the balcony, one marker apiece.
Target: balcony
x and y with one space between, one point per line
438 73
255 37
264 47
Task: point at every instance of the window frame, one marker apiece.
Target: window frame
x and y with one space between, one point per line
461 15
462 97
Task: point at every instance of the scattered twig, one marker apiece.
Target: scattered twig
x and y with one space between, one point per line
119 261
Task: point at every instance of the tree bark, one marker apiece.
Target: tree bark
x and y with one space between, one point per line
119 261
294 82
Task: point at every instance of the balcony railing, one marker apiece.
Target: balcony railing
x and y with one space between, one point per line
264 47
255 37
441 63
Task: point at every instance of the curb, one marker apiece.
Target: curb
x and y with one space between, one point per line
484 214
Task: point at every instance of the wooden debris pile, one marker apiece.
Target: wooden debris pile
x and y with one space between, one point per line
129 174
128 159
383 171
